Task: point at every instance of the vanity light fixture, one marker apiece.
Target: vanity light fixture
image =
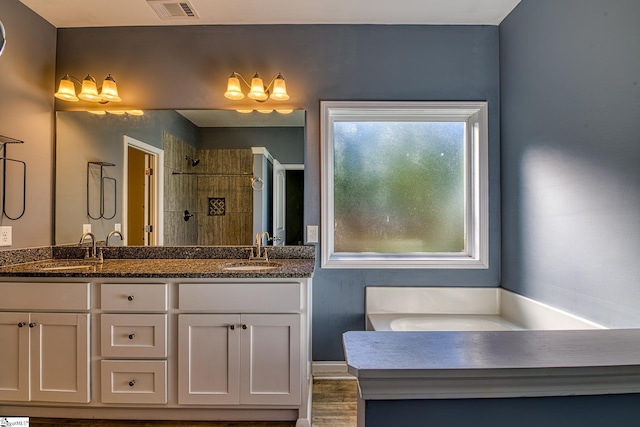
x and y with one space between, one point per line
276 89
89 92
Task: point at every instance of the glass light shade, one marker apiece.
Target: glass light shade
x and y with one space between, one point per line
265 111
279 91
89 90
66 90
283 111
244 111
233 89
135 112
109 90
116 112
257 89
97 112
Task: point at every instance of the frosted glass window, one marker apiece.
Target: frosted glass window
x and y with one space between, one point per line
404 185
399 187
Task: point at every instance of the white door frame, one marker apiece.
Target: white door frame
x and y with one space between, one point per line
158 186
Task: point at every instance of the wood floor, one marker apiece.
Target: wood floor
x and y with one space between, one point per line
334 405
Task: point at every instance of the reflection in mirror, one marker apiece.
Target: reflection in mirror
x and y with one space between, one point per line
180 177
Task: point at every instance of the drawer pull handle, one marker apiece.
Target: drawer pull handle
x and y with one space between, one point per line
21 324
130 297
132 336
244 326
232 327
33 324
132 383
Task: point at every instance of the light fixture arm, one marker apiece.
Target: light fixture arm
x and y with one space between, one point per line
266 88
234 74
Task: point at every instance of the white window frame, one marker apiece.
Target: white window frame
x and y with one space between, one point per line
476 255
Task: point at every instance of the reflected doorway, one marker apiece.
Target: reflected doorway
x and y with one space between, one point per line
142 198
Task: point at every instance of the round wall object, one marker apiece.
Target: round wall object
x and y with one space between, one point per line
3 38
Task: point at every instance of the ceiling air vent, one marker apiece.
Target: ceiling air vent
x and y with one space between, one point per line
167 9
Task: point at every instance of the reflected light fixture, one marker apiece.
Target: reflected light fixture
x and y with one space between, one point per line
276 89
89 92
116 112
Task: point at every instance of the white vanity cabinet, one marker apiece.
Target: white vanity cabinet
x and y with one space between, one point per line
233 349
133 343
44 334
239 359
244 344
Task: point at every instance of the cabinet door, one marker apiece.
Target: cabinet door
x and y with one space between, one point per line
59 357
208 358
270 359
14 356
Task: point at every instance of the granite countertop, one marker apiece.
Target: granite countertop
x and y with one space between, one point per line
187 268
436 365
179 262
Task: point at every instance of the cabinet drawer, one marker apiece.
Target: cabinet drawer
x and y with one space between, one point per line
134 297
134 381
240 297
133 335
44 296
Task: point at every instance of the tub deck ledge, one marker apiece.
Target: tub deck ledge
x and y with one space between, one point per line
490 364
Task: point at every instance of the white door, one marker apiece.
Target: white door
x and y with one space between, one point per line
14 356
59 345
270 372
208 359
279 203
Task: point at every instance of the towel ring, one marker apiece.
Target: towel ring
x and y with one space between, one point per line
257 184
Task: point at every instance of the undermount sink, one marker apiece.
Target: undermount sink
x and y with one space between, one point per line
250 266
65 265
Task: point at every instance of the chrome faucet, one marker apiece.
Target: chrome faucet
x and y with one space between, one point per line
260 251
91 253
111 233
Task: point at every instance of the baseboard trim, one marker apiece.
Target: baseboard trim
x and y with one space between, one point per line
331 371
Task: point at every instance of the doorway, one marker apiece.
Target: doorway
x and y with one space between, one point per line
288 203
142 223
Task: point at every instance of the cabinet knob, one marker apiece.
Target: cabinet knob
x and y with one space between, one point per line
232 327
130 297
244 326
132 383
33 324
132 336
21 324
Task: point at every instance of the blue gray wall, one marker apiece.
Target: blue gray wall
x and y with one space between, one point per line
27 69
570 97
284 143
187 67
567 411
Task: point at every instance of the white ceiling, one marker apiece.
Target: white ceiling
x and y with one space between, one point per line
107 13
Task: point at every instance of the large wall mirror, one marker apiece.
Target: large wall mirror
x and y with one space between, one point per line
180 177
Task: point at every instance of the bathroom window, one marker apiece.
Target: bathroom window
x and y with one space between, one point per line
404 185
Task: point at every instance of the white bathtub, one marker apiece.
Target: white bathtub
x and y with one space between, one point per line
462 309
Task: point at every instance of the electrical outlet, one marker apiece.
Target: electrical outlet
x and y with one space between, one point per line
312 234
86 228
5 236
118 227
